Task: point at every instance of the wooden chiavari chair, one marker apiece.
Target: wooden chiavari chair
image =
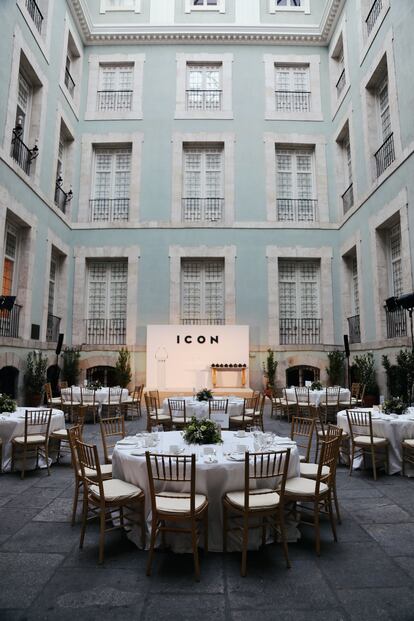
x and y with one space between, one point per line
112 406
112 430
302 433
51 400
35 441
155 416
289 406
133 403
178 413
363 441
89 403
407 448
241 421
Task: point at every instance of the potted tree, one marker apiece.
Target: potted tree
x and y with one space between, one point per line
335 368
71 370
269 372
35 377
123 367
364 369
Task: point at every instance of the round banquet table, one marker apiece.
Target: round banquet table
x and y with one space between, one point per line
316 396
394 427
12 425
101 394
213 480
199 409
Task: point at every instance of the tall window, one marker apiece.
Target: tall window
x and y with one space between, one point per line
385 154
205 3
295 185
355 286
299 301
20 152
107 301
346 168
292 88
24 105
62 196
202 291
115 88
340 76
112 5
394 257
112 171
290 3
10 261
53 322
203 184
203 87
69 81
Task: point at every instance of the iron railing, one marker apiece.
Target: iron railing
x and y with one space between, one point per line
35 14
20 152
106 331
52 328
202 209
62 198
354 328
70 84
385 155
9 321
109 209
292 101
296 209
348 198
396 322
300 331
198 99
114 100
196 321
340 85
372 16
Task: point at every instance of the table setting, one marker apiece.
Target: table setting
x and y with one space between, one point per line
316 396
199 409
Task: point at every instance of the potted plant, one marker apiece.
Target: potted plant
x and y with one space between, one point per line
335 368
7 404
204 394
269 372
35 377
202 431
123 367
71 370
364 369
400 376
395 405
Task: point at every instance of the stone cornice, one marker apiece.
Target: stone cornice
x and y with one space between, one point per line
212 33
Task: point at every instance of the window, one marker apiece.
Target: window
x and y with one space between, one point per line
202 291
355 285
62 198
111 185
203 87
396 321
204 5
292 88
69 82
9 319
35 13
120 5
289 5
53 322
337 63
115 88
203 198
295 200
299 307
24 105
385 154
107 302
24 123
344 169
374 12
72 69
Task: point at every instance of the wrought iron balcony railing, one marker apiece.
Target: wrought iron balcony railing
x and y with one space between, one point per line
196 321
297 209
396 322
292 101
109 209
20 152
52 328
70 84
300 331
9 321
385 155
35 14
106 331
62 198
340 85
202 209
354 329
114 100
372 16
206 100
348 198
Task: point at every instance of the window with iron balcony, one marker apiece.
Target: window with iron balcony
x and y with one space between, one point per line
203 193
295 183
111 185
107 302
202 291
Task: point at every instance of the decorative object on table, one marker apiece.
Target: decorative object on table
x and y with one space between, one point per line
71 370
94 385
202 431
400 376
364 372
316 386
395 405
204 394
123 367
335 368
228 366
7 404
35 377
269 372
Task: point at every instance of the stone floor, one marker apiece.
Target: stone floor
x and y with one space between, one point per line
368 574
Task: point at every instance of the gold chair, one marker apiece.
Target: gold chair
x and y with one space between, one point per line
178 413
89 403
317 492
102 497
35 440
112 430
61 437
363 441
258 414
407 447
329 405
247 416
168 508
51 400
133 403
277 409
304 406
155 395
265 505
155 416
289 407
217 407
69 404
354 397
112 405
301 432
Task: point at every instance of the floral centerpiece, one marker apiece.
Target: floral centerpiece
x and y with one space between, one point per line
395 405
94 385
316 386
202 431
7 404
204 394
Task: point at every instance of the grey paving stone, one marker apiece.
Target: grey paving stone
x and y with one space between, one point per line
379 604
406 563
34 497
43 537
172 573
184 607
119 552
59 510
23 576
395 540
11 521
261 614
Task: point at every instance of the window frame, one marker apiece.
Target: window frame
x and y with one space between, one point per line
304 8
220 7
203 285
106 8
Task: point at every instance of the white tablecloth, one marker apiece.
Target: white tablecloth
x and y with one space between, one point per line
393 427
199 409
12 425
213 479
101 394
316 396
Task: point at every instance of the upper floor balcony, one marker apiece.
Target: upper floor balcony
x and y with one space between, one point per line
204 100
396 322
109 209
200 321
292 101
62 198
207 210
112 101
106 331
297 209
295 331
373 14
21 152
385 155
35 14
9 321
52 328
354 329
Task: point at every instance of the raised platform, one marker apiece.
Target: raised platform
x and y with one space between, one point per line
187 392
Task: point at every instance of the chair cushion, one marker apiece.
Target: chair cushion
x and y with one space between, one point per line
177 502
34 439
366 440
240 418
258 499
55 400
179 420
106 470
409 443
160 417
302 458
59 433
116 490
310 471
303 487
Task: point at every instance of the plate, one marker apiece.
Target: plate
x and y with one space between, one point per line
126 443
236 456
140 453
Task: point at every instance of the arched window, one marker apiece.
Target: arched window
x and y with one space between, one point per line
8 381
104 374
298 375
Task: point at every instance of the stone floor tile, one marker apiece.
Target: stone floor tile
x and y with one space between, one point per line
396 540
12 520
263 614
184 607
59 510
380 604
34 497
406 563
172 573
43 537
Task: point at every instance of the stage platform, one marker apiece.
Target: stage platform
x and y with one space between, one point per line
187 392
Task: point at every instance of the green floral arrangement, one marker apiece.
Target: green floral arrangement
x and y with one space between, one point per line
202 431
94 385
395 405
7 404
316 386
204 394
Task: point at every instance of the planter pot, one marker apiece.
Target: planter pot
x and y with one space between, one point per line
370 400
33 399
